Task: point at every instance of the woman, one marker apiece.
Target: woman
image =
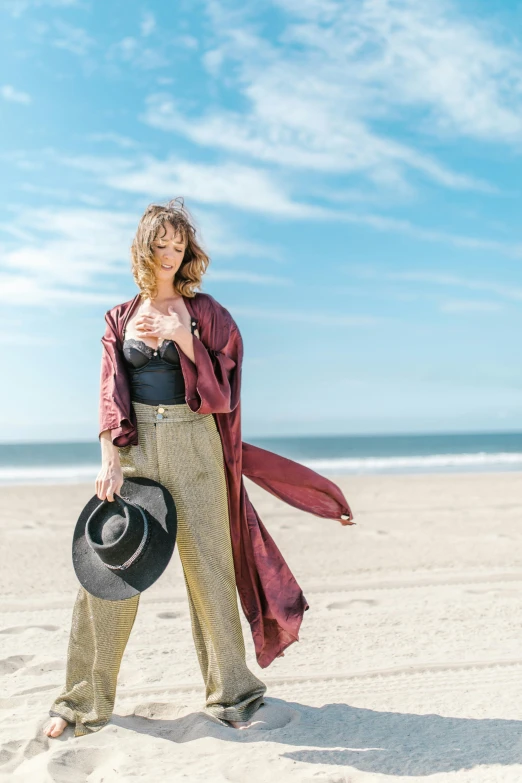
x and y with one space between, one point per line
172 359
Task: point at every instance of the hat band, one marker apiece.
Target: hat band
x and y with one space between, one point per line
138 551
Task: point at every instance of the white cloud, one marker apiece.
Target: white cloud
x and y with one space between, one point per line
251 189
307 317
9 93
395 225
148 24
241 276
98 165
18 7
80 255
131 50
115 138
304 135
64 253
219 238
454 281
227 184
33 292
418 54
61 194
15 337
73 39
326 93
469 306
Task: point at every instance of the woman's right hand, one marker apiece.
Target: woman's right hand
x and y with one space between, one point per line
109 480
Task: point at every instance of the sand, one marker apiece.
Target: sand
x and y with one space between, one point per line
409 663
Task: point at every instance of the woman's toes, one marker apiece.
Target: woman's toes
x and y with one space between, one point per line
55 727
239 724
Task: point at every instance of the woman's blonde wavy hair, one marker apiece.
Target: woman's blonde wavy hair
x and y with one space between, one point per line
195 260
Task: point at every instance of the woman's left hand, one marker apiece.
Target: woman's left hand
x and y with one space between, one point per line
156 324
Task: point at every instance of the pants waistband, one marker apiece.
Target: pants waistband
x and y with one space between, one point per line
159 413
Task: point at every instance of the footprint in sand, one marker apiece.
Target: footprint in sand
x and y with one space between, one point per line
24 751
76 766
493 590
160 710
14 663
48 666
9 750
15 753
22 628
38 689
348 604
273 715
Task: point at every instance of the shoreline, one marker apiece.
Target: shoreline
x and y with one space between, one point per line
335 476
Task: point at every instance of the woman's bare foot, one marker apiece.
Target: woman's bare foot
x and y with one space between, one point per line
55 727
240 724
246 724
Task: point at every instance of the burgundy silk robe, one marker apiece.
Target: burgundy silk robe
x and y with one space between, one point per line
271 599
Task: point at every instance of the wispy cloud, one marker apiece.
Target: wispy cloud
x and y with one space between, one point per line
306 317
18 7
319 96
299 137
229 184
73 39
33 292
148 24
469 306
421 55
114 138
81 255
252 189
9 93
241 276
221 239
454 281
16 337
396 225
59 194
130 50
147 48
65 253
426 281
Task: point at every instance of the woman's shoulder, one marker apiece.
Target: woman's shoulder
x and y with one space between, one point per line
118 310
208 304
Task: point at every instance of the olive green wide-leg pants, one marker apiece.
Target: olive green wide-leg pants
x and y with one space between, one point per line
182 450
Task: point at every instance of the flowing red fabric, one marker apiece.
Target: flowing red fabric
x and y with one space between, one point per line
271 599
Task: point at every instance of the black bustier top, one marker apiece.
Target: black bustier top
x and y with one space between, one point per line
155 373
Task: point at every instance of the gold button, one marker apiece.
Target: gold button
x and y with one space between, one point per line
161 410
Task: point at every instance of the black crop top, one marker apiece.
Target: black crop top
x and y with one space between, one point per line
155 373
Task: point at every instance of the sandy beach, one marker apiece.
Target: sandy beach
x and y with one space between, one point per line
409 663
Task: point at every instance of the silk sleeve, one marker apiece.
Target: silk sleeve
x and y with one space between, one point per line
295 484
114 402
214 379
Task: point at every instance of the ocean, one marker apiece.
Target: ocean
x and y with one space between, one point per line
56 463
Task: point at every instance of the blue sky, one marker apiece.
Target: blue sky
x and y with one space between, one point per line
354 169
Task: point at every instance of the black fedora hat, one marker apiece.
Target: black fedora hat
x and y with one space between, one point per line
121 547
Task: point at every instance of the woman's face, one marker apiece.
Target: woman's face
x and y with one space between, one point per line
168 250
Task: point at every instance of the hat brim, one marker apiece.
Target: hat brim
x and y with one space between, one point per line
102 582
